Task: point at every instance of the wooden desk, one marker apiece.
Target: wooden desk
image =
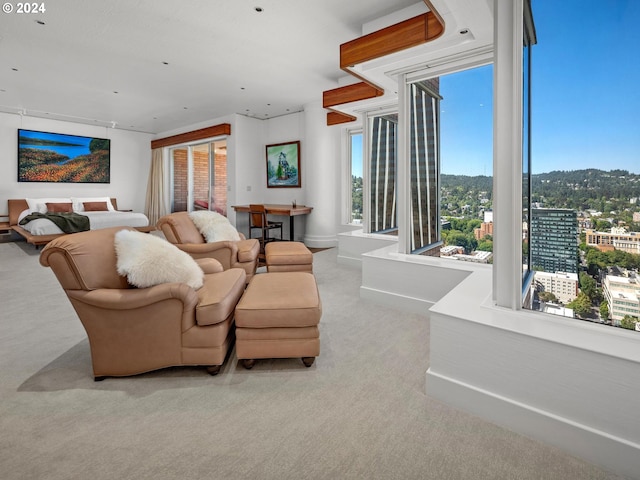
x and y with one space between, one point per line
278 209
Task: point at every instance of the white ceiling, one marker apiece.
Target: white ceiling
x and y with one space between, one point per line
223 57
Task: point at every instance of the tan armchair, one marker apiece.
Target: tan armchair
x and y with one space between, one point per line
135 330
179 229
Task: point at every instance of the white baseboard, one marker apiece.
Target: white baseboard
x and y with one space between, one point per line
599 448
319 241
394 300
348 260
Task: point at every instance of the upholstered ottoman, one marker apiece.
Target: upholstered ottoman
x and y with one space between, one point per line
277 317
288 257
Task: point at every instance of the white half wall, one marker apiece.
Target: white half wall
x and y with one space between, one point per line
566 382
130 160
352 244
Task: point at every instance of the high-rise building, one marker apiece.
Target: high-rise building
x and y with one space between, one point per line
554 240
424 155
384 132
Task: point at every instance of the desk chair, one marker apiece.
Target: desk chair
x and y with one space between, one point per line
258 220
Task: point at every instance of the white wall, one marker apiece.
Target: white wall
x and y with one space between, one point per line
245 166
130 159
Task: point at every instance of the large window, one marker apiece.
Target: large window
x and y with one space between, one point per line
450 152
355 161
528 41
585 175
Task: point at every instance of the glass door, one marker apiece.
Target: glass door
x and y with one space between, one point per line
199 177
218 177
180 179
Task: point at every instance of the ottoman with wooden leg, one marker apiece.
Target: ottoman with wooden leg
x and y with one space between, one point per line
278 317
288 257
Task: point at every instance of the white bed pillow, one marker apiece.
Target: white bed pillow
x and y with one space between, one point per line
40 204
147 260
213 226
79 207
23 214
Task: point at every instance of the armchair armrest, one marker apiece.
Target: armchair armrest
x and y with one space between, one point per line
210 265
248 250
225 252
130 298
134 305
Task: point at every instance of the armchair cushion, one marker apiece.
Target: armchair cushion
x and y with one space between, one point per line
147 260
218 297
213 226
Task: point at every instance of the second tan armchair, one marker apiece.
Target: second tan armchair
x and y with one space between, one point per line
179 229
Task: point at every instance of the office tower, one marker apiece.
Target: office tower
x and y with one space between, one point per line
554 240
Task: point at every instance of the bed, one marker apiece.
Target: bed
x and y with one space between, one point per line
41 231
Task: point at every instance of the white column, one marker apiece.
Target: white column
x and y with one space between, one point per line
507 153
321 177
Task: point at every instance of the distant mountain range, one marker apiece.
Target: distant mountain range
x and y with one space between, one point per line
590 189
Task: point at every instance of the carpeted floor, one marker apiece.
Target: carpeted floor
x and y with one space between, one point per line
360 412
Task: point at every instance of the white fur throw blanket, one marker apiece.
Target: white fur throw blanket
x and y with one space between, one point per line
213 226
147 260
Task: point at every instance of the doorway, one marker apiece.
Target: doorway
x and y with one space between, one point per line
199 177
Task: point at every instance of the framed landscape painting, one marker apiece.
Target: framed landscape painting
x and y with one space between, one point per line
61 158
283 165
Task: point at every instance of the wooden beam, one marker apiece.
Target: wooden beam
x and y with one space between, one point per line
336 118
201 134
350 93
395 38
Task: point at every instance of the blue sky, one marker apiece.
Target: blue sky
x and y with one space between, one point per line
586 98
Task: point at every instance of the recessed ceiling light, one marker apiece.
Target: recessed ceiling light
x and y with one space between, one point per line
258 9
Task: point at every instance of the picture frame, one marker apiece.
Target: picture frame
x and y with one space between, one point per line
62 158
283 165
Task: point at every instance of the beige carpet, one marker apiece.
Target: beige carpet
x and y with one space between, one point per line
360 412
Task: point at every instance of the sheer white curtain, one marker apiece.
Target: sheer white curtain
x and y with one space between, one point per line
155 206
